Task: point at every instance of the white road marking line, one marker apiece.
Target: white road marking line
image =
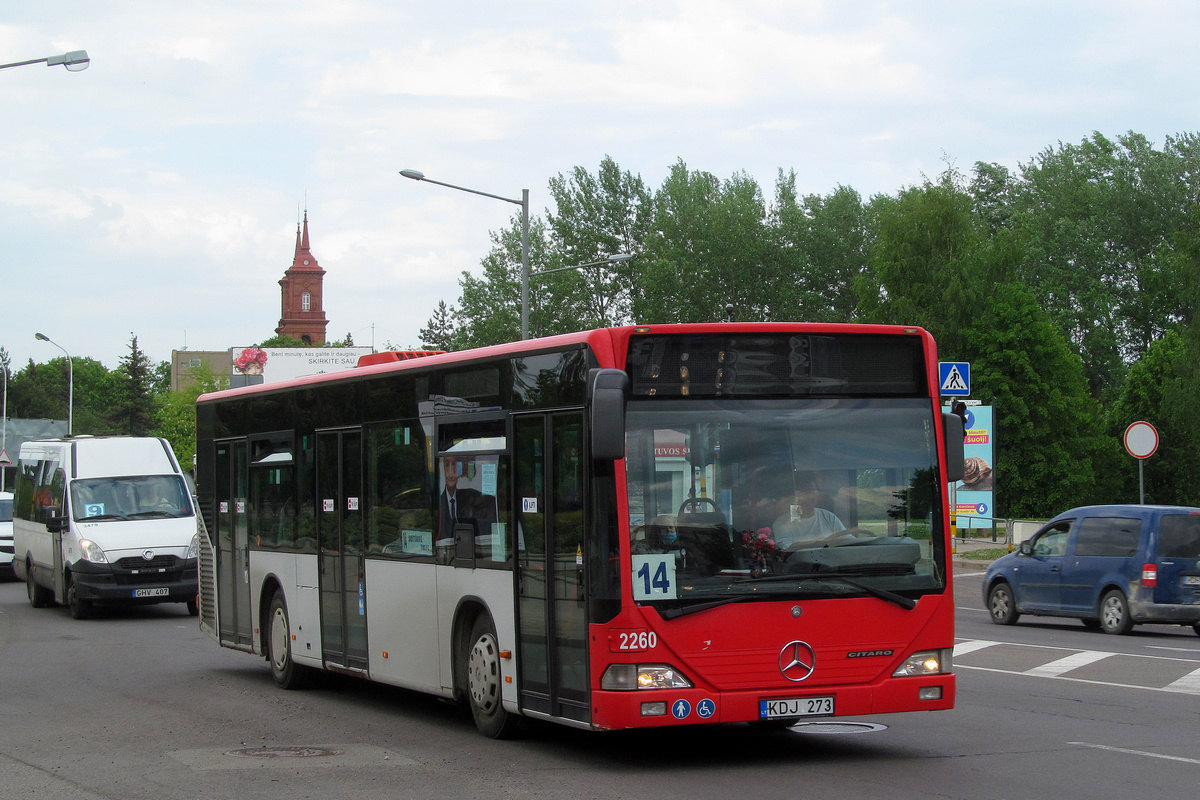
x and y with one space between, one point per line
1168 689
968 574
962 648
1189 682
1068 663
1136 752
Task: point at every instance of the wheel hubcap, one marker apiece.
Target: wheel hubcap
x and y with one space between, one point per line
279 639
483 672
1113 612
1000 605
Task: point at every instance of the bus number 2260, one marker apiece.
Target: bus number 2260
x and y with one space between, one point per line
630 641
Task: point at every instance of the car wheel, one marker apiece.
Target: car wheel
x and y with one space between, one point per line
80 608
1114 613
484 682
1002 607
286 672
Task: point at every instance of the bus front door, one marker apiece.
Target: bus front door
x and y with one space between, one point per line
340 537
233 552
552 614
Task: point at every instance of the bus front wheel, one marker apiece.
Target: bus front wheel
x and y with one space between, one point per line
484 681
286 672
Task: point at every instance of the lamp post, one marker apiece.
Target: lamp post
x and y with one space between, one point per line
417 175
70 380
74 61
4 429
615 258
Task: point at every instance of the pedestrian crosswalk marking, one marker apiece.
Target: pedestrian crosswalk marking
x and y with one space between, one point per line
1067 663
1188 683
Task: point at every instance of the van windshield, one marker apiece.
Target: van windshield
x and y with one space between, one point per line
6 505
140 497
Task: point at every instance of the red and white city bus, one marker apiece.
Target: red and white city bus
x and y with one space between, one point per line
630 527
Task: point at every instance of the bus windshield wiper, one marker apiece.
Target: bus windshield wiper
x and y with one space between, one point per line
675 613
883 594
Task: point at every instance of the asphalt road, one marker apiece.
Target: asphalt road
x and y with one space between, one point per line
140 704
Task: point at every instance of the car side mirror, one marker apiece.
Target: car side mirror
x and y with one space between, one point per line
1026 548
56 524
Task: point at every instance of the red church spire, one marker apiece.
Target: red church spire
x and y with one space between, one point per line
303 317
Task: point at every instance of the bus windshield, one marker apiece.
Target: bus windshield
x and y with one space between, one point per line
141 497
748 499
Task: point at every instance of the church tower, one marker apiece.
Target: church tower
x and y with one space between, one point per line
303 316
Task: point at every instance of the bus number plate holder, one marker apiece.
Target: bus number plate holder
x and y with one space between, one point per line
790 708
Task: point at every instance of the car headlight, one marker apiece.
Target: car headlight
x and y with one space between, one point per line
926 662
92 552
628 677
194 547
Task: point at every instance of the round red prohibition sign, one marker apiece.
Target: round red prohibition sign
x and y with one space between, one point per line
1141 439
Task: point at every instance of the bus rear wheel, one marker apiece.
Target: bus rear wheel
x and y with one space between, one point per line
39 596
484 682
286 672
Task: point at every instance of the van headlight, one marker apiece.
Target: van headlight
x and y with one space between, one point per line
194 547
926 662
628 677
92 552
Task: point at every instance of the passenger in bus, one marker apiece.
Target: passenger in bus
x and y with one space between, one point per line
461 504
803 523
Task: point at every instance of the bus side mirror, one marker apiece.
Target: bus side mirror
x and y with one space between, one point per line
607 391
955 453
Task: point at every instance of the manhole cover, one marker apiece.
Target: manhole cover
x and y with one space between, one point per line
838 727
283 752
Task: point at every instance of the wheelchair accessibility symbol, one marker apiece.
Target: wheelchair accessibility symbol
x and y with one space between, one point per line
706 708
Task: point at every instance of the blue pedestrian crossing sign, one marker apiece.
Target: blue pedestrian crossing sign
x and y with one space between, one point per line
954 378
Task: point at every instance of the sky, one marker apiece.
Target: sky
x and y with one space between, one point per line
157 193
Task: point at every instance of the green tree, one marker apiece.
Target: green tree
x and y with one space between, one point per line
175 420
707 251
41 391
283 340
134 411
438 334
822 245
489 309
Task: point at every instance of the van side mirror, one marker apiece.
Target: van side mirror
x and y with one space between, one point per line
608 390
955 453
56 524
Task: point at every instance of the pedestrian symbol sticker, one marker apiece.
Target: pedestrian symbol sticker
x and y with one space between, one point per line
681 709
955 378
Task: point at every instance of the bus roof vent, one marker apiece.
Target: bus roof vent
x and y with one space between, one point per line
389 356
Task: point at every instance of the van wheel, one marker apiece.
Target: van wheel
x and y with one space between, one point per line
193 608
39 596
1114 613
80 608
1002 608
484 682
286 672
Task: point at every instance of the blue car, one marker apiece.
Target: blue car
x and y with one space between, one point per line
1111 567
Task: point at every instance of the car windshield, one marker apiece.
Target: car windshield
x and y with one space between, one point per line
141 497
745 499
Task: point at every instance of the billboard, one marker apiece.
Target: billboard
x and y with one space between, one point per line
975 494
254 365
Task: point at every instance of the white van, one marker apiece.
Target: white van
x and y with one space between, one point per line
6 534
104 520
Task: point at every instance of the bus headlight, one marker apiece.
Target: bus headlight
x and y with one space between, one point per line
628 677
92 552
194 547
926 662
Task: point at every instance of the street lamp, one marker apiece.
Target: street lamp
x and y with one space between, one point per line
615 258
70 380
417 175
74 61
4 430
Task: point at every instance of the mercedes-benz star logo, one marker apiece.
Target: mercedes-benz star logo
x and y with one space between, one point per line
797 661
